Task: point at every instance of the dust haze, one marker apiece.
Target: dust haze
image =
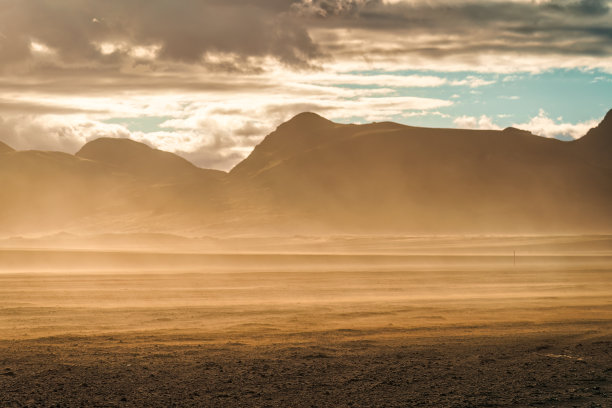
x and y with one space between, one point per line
323 270
312 176
444 285
368 321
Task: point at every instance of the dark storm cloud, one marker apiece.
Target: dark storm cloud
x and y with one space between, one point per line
586 7
224 73
465 29
468 17
183 32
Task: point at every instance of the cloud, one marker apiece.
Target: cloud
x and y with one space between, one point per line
208 128
112 32
385 80
226 73
509 34
471 122
121 36
581 7
27 107
214 142
54 132
472 82
541 125
425 113
544 126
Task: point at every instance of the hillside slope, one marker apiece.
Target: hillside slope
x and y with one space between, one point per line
312 175
116 185
386 176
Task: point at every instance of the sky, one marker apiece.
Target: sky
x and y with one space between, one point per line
209 79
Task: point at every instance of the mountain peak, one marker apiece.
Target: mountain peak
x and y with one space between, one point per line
516 131
607 120
115 151
308 120
4 148
111 144
135 157
303 132
596 145
603 131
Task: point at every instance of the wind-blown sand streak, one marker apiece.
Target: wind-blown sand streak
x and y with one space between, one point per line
132 329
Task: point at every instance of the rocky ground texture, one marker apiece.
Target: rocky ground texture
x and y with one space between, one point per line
340 370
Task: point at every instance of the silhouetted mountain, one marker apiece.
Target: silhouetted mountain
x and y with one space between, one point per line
596 145
304 132
389 176
136 158
312 174
112 184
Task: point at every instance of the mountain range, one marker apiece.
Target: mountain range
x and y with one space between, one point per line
312 175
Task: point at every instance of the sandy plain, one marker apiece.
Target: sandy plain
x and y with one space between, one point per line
359 322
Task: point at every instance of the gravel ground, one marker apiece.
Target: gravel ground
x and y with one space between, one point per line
335 370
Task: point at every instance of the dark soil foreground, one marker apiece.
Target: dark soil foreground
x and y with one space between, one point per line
332 370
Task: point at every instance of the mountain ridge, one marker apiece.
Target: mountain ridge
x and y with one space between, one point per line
596 145
138 158
314 174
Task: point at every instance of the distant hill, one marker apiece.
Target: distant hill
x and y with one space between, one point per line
110 185
387 176
304 132
314 175
136 158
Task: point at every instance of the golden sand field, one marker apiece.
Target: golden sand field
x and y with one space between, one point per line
383 324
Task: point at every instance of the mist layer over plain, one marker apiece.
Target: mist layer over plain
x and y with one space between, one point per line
395 321
432 285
